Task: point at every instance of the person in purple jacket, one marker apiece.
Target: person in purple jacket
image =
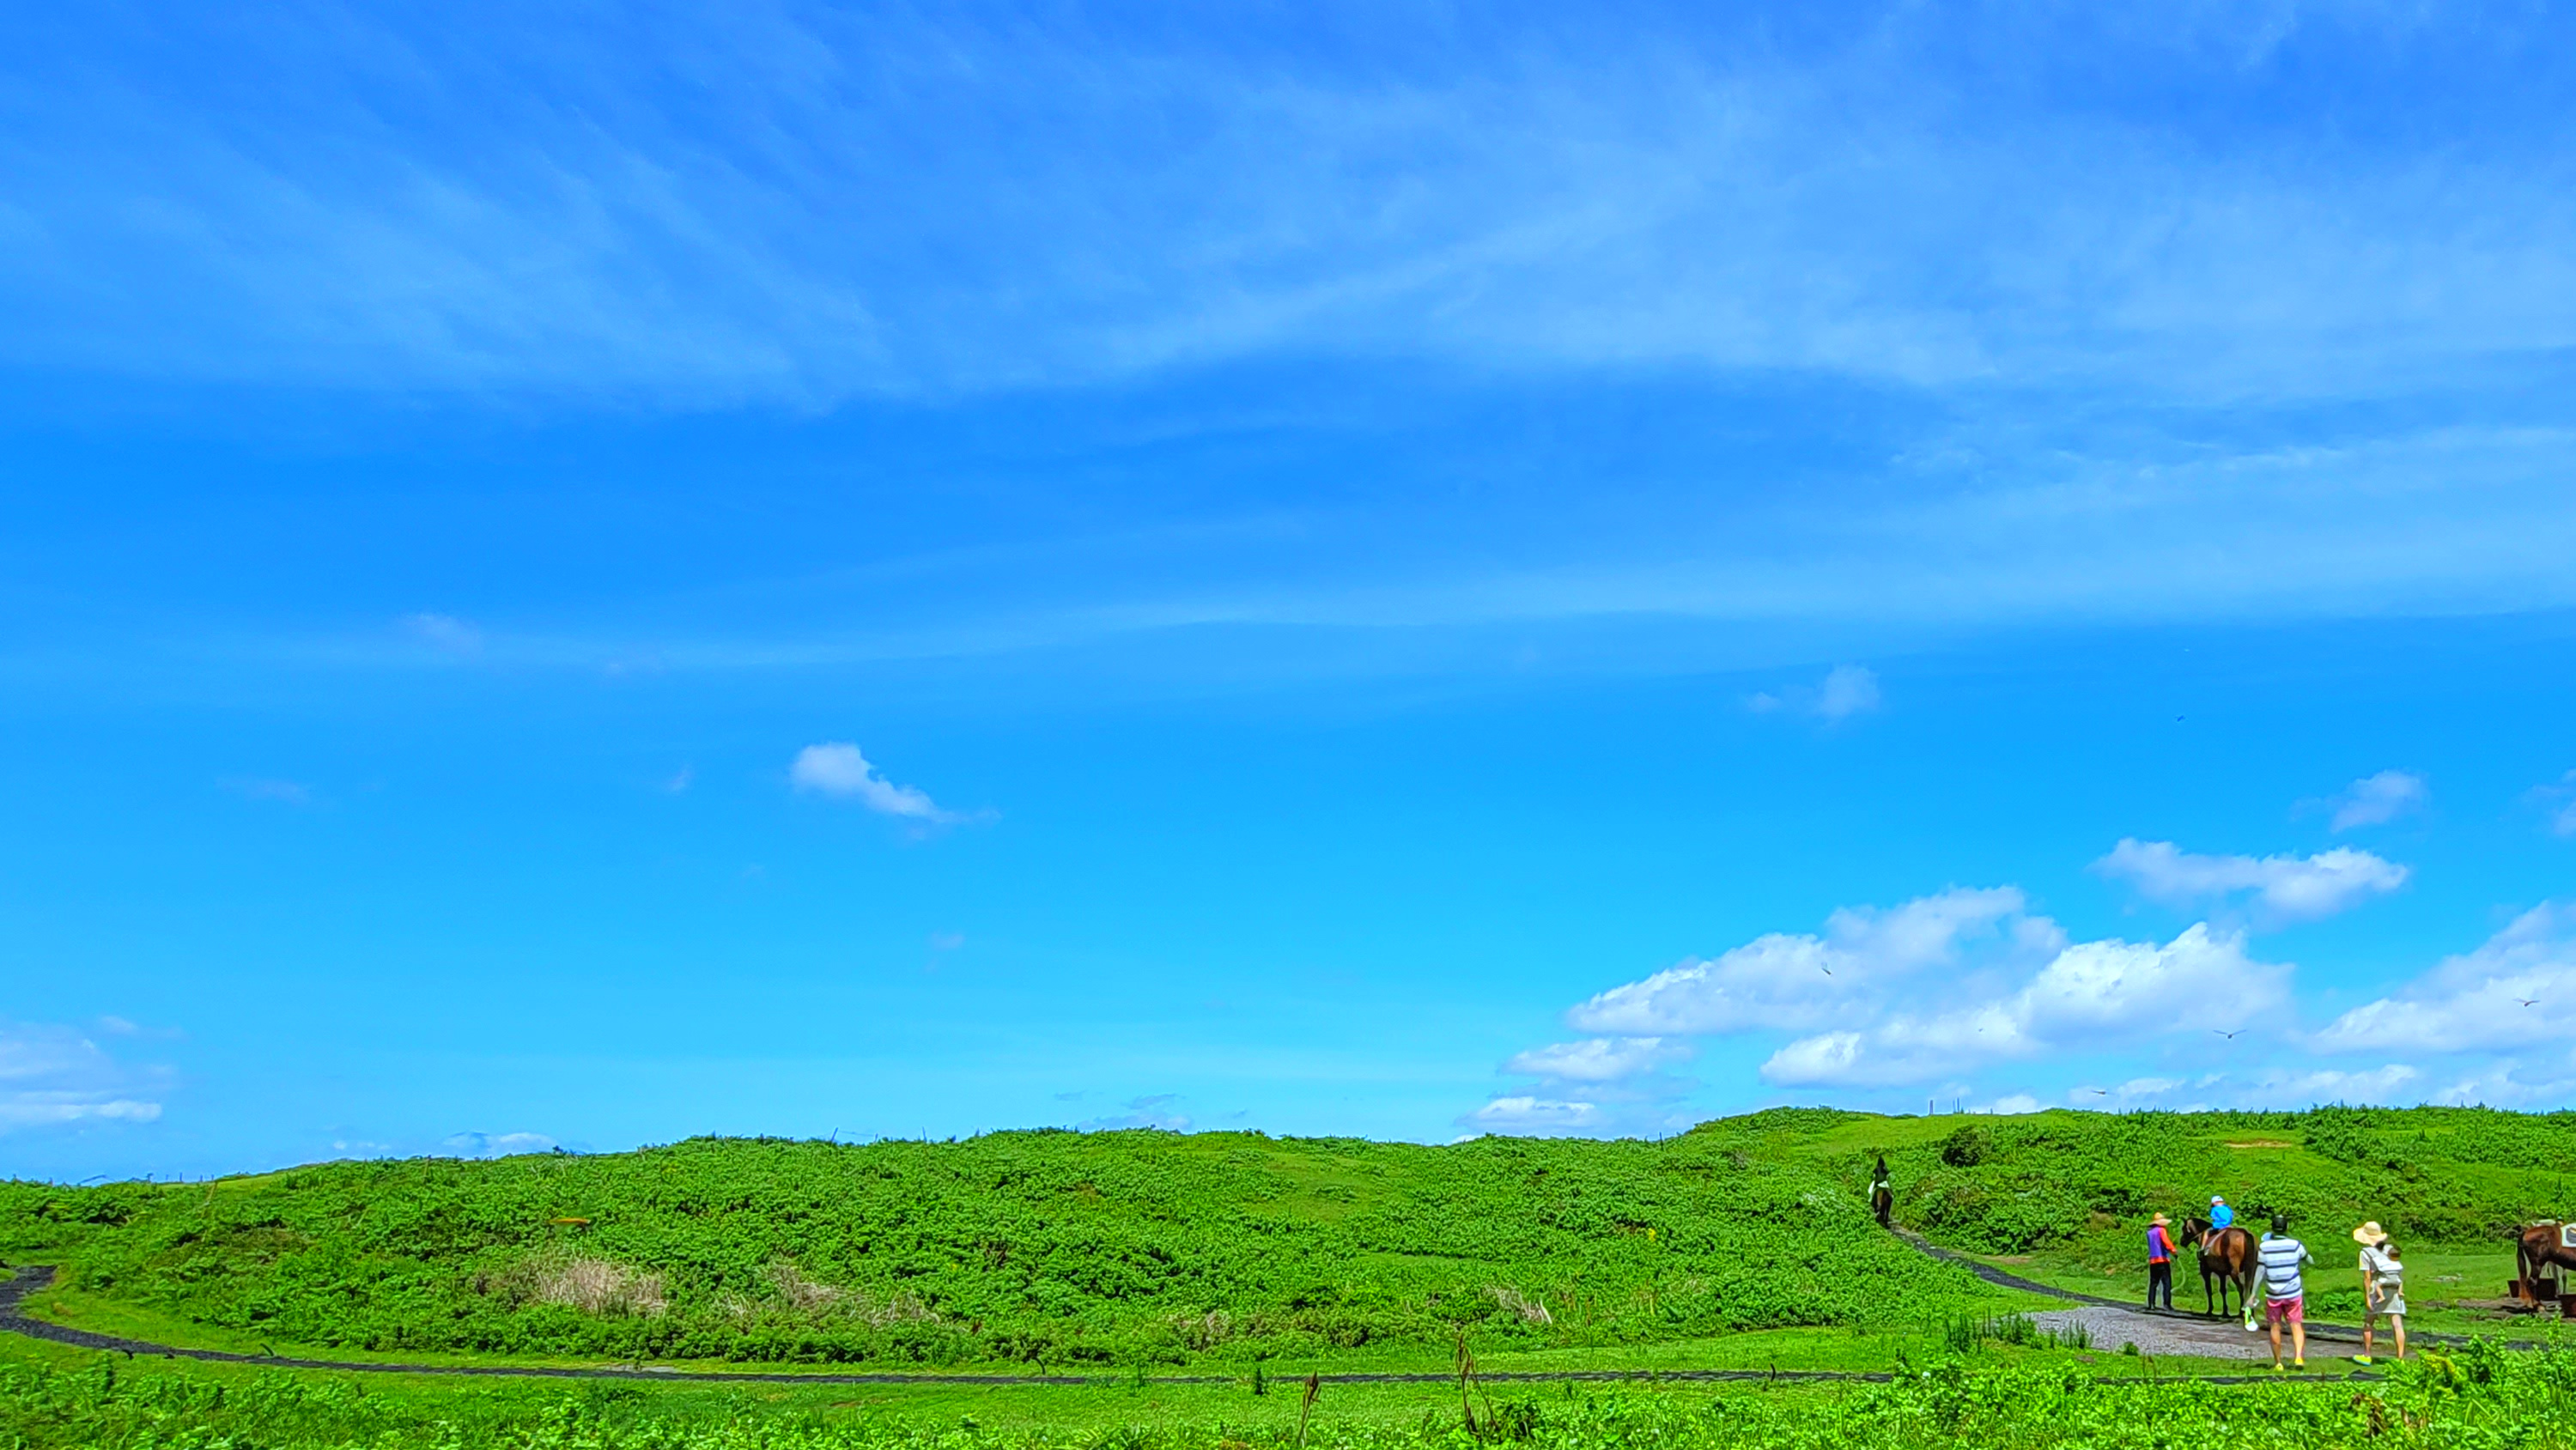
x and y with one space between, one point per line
2160 1261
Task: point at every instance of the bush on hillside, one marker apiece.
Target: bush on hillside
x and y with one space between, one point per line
1113 1248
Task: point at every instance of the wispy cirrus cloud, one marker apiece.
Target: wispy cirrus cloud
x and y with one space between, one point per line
2558 799
265 788
1845 691
444 633
54 1076
371 208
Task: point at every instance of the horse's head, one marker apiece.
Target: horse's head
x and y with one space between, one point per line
2196 1229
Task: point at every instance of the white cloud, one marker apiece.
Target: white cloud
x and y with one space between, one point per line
1154 1110
1598 1059
1935 987
2559 799
53 1076
836 768
1525 1114
2136 1089
2287 888
2388 1084
1846 690
497 1145
2517 989
2378 799
2510 1083
53 1109
445 633
284 792
1798 981
2090 994
2287 1088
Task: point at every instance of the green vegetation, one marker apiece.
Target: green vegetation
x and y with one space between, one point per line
1152 1249
2478 1399
2068 1194
1033 1248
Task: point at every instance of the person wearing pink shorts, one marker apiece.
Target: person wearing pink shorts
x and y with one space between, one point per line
2284 1296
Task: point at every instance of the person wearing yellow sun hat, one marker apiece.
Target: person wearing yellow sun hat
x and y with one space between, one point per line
2383 1287
2161 1254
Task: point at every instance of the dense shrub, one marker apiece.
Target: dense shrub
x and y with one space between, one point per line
1155 1248
1111 1248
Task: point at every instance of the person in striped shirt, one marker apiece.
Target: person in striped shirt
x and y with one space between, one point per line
2284 1296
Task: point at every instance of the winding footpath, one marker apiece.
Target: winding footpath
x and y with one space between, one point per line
35 1278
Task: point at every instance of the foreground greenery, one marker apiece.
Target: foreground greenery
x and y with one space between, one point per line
2478 1398
1228 1249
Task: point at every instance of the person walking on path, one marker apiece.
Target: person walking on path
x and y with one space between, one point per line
1882 1192
2160 1262
2284 1296
2383 1288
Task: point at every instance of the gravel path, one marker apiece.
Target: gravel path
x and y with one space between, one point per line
2159 1334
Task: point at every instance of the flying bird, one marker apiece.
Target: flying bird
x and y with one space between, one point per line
2528 1001
2101 1092
2230 1036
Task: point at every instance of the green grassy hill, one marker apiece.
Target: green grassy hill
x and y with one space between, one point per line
1150 1248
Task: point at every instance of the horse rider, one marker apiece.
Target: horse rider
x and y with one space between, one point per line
2220 1215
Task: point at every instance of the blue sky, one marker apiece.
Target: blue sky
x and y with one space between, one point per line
585 575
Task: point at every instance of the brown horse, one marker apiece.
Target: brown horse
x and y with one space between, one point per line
2538 1247
2227 1256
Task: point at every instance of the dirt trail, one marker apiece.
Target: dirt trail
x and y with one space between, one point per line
33 1278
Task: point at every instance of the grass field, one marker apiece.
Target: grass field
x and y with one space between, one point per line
1993 1396
1130 1258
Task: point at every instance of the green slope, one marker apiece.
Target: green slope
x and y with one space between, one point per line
1050 1248
1146 1248
2067 1195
